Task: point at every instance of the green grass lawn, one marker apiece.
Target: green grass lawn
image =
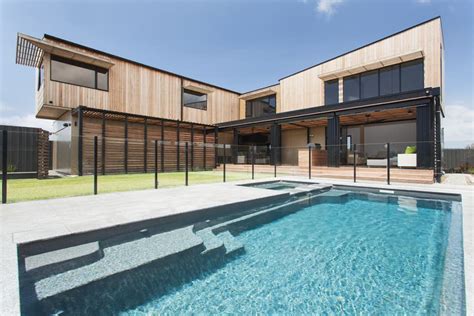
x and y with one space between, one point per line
34 189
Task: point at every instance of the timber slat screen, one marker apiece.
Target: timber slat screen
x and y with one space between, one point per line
128 143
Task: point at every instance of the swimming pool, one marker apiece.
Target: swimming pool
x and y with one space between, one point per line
337 252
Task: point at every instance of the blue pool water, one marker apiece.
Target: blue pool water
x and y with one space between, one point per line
358 257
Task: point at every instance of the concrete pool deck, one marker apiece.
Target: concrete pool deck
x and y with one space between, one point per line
37 220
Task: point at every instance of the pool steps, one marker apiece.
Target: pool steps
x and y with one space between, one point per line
208 241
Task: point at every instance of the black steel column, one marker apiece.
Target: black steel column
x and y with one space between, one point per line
424 136
437 139
275 142
186 163
4 165
177 146
235 145
145 145
333 136
125 162
95 164
103 143
162 151
80 119
274 162
225 154
204 148
156 164
388 163
192 147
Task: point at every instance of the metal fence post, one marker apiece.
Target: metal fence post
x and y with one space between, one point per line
274 163
186 169
253 162
388 163
309 161
4 165
355 162
225 157
156 164
95 165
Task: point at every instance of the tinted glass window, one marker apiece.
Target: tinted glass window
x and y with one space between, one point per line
412 75
369 84
69 73
195 100
331 92
390 80
77 73
102 80
351 88
261 106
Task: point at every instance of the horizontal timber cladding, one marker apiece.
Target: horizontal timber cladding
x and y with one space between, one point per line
136 153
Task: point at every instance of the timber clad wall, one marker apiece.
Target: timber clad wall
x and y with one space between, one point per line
306 88
117 150
137 89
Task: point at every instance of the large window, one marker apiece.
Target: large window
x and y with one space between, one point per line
331 92
261 106
369 84
411 74
403 77
195 99
80 74
390 80
352 88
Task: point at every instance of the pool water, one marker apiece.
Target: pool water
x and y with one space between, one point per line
358 257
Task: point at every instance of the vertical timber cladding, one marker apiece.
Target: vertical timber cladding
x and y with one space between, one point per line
210 146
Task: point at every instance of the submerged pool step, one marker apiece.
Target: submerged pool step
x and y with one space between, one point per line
124 257
224 242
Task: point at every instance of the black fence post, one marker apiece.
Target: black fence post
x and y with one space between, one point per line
95 165
4 165
274 162
186 169
309 161
225 157
253 162
354 151
156 164
388 163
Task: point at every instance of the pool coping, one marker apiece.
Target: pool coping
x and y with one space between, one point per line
9 282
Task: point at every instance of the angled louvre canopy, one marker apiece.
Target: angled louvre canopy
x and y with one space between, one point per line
30 51
370 66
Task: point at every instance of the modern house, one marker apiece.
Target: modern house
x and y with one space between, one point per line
388 91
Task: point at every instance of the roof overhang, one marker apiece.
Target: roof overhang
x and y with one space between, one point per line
258 94
392 60
30 51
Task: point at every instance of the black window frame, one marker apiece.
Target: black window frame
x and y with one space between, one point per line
196 93
81 65
326 83
397 68
248 104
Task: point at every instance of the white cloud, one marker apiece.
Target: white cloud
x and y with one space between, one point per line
28 120
458 126
327 7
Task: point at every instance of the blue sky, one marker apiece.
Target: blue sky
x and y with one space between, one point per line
240 45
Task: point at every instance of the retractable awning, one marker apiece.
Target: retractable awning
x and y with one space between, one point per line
30 51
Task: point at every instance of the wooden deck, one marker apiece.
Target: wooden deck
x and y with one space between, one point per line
422 176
